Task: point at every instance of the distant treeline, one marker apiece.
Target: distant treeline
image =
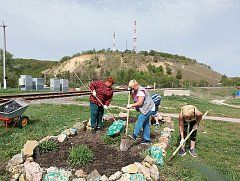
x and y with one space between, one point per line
17 66
155 54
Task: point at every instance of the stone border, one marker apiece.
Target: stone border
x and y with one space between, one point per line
22 166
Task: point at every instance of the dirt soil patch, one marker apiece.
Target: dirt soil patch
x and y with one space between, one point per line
107 159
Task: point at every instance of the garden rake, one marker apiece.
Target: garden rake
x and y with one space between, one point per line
87 87
124 145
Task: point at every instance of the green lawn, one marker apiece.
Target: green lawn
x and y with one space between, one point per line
233 101
12 91
218 149
173 104
44 120
213 93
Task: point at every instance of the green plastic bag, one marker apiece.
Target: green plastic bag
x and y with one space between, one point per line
53 176
116 128
137 177
156 153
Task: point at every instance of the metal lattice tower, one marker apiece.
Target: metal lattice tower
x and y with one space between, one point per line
135 36
114 42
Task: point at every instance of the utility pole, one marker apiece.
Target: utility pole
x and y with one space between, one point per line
4 56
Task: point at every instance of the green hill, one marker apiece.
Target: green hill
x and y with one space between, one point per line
165 69
31 66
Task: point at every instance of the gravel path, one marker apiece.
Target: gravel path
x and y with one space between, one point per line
64 100
226 119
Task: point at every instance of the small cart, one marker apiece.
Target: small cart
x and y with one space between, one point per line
11 113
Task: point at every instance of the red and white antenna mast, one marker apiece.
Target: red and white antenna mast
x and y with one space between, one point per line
114 42
135 36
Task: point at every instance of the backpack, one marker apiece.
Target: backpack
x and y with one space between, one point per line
156 99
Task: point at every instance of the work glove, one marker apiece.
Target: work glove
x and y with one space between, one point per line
94 93
182 141
105 107
129 106
195 127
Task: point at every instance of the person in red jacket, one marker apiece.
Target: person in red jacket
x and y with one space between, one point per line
104 92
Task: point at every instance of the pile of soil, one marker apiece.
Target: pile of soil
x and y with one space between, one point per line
107 159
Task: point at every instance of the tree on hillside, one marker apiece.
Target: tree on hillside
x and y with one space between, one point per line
160 69
203 83
145 53
168 70
179 74
186 83
8 58
65 58
152 52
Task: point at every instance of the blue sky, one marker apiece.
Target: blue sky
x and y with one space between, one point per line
206 30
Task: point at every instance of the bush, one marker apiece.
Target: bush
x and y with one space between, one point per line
80 155
48 146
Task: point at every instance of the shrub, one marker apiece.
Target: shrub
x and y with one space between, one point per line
48 146
80 155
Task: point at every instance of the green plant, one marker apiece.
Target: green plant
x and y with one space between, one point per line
111 140
47 146
80 155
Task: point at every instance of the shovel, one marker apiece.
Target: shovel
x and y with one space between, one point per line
178 148
124 145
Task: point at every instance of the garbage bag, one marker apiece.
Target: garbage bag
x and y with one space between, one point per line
11 108
116 128
156 153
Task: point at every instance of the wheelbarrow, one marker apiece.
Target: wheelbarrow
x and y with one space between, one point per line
11 113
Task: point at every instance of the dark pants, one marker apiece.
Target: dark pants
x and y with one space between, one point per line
185 129
96 115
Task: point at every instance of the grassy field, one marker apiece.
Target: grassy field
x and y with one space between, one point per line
43 122
214 92
173 104
233 101
12 91
218 155
218 149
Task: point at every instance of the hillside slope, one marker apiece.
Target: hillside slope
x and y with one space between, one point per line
102 64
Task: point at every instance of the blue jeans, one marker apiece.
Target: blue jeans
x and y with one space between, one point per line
96 115
143 122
